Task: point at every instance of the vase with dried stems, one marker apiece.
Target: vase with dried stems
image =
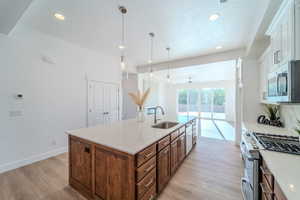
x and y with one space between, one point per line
139 99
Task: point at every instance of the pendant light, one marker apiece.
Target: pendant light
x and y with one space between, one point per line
168 75
151 54
123 11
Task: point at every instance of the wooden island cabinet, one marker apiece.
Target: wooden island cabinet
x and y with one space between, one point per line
103 173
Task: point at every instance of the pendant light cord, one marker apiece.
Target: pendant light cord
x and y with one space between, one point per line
123 29
168 49
151 51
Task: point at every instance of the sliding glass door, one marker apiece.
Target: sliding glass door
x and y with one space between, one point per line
218 107
182 103
188 103
193 102
206 103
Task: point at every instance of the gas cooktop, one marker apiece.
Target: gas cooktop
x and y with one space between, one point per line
279 143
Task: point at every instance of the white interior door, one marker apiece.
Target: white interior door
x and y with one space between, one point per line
111 103
103 103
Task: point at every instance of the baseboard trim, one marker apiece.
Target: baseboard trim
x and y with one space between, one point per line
32 159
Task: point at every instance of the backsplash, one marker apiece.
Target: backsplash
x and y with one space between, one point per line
289 115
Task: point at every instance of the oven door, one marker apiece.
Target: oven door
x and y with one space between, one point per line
247 190
249 169
249 182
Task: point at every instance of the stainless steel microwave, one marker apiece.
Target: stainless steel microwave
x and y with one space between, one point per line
284 83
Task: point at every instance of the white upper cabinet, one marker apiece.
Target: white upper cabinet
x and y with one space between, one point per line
282 31
287 36
265 62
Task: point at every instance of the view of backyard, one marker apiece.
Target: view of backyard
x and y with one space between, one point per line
206 103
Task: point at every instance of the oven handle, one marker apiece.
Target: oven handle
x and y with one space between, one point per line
251 159
243 180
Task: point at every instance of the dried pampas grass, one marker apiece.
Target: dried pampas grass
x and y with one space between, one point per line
140 98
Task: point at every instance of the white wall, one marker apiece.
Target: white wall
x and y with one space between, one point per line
129 85
157 90
51 74
251 96
289 115
171 91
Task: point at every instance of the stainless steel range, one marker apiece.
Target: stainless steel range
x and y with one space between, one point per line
279 143
251 160
251 143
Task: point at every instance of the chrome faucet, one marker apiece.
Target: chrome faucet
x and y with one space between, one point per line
155 113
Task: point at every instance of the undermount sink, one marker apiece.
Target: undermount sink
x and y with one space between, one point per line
165 125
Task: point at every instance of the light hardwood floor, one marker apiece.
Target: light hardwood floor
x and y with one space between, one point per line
211 172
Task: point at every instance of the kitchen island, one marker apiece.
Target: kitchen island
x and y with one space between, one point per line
127 160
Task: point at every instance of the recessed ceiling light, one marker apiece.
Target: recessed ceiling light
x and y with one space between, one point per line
59 16
219 47
214 17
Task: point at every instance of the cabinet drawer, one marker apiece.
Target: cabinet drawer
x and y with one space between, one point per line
182 130
163 143
266 181
174 135
278 192
182 137
150 195
145 185
267 176
264 197
146 154
143 170
266 193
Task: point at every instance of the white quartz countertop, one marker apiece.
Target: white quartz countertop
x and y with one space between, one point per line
285 167
128 136
260 128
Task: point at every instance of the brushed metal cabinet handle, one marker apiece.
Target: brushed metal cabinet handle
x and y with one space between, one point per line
148 155
150 182
149 168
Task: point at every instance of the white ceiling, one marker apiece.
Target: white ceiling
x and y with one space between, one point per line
220 71
181 24
10 12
